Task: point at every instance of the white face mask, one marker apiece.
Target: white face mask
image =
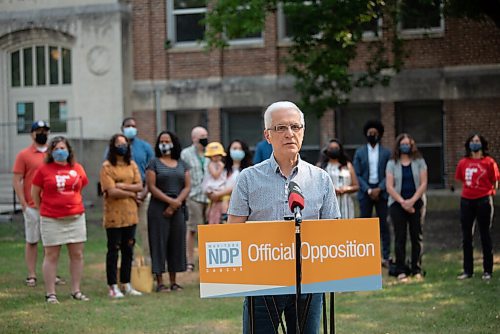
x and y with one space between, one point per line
42 149
165 148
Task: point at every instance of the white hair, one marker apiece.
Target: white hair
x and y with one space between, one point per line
279 106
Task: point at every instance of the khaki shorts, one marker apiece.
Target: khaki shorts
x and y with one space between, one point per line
196 211
31 225
62 231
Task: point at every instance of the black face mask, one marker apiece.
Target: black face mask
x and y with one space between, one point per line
204 142
372 139
333 153
41 138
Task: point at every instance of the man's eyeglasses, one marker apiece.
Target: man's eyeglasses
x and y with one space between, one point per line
284 128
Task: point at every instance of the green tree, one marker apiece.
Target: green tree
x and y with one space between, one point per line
325 36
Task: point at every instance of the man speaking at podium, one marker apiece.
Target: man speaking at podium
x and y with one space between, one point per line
261 194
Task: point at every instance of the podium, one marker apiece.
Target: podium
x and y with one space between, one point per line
258 258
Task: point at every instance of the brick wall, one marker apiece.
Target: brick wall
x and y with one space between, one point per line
464 42
146 125
465 117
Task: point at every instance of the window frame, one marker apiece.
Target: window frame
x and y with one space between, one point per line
421 32
34 63
367 35
172 21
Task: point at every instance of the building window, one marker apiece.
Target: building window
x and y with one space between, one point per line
371 30
421 17
25 112
29 66
245 124
349 123
58 116
184 21
424 122
310 145
181 122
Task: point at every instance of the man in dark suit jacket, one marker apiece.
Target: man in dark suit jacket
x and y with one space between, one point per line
370 161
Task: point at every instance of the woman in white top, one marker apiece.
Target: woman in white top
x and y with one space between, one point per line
239 158
336 163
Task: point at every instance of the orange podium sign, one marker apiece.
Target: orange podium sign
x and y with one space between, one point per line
258 258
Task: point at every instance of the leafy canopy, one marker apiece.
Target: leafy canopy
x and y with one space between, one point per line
324 37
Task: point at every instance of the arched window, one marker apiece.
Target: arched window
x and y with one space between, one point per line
40 65
40 70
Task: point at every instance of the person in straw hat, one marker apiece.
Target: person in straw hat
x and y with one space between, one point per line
215 180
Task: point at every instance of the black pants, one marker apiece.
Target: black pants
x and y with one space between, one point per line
404 221
366 207
481 210
120 239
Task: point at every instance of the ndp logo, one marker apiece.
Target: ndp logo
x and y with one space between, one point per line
223 254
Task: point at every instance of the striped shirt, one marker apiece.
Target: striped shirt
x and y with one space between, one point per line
261 193
197 167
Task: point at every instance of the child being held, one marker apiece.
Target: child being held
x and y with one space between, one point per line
215 180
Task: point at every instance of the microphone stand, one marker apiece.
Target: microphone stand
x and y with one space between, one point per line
298 267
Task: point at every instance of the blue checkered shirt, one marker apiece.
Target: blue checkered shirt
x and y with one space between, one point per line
261 193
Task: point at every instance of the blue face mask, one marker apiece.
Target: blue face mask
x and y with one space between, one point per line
122 149
60 155
237 155
130 132
404 148
475 147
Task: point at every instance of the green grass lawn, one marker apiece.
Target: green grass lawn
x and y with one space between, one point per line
439 304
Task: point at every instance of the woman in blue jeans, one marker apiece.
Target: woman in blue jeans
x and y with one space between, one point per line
406 183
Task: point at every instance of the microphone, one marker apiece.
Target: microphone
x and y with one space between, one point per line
295 200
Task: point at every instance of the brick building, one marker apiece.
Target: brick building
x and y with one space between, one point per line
85 65
450 85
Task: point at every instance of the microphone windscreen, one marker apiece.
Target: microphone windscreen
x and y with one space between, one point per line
295 197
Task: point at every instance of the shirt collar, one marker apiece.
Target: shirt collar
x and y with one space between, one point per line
276 168
370 148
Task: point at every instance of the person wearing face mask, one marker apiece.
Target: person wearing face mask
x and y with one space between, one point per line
168 179
194 156
215 180
336 163
406 183
27 162
120 182
57 193
479 175
142 153
369 163
239 158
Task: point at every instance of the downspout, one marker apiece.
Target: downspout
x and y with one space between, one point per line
158 109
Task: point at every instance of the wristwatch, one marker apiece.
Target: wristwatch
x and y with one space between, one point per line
369 191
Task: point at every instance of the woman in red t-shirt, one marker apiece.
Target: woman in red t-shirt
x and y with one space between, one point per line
479 175
56 191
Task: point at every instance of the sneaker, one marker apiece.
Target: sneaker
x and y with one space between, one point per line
386 263
486 276
418 277
464 276
402 277
114 292
129 290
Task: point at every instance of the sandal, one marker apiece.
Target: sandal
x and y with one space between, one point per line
190 267
176 287
51 299
30 281
162 288
80 296
60 281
